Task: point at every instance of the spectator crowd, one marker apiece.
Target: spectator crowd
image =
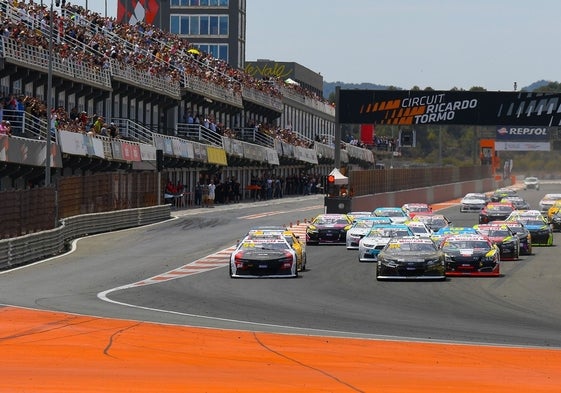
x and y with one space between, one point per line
86 37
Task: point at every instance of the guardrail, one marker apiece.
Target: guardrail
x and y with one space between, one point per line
26 249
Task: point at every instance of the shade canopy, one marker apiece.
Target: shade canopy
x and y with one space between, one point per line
340 179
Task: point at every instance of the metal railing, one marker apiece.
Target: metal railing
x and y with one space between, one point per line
253 135
37 58
134 131
262 98
199 133
211 91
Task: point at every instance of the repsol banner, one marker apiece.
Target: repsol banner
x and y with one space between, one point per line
406 107
519 134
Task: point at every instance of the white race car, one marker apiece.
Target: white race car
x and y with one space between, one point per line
419 228
473 202
370 245
361 227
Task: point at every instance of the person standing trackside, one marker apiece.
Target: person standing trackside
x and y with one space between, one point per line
198 193
211 193
205 194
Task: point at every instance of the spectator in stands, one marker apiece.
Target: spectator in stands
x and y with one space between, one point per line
113 132
98 124
5 128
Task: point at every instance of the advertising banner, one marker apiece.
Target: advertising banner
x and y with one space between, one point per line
409 107
26 151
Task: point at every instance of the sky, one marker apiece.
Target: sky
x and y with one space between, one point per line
442 44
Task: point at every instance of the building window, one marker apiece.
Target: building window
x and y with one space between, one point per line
199 25
219 51
200 3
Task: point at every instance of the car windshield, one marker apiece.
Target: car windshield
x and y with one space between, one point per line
363 224
264 245
330 221
396 248
495 232
418 208
465 245
531 221
388 232
391 213
500 208
418 229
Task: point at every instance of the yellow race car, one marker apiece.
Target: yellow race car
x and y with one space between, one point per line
292 239
553 209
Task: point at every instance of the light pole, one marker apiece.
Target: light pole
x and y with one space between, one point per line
49 98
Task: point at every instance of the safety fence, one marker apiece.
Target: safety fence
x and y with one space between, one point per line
29 248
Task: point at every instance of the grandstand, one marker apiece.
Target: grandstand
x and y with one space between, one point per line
121 93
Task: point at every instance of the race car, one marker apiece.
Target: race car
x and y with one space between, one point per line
473 202
531 182
359 214
413 208
451 230
292 239
396 214
370 245
410 257
501 193
328 228
518 202
502 236
547 201
419 228
540 229
433 221
470 255
553 209
495 211
361 227
555 221
270 256
523 234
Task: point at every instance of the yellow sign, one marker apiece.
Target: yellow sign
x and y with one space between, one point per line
216 155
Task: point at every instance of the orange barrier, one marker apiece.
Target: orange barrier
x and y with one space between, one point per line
47 352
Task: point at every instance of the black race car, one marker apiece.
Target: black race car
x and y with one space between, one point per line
410 257
329 228
495 211
470 255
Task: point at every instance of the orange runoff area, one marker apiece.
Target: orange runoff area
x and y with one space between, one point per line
57 352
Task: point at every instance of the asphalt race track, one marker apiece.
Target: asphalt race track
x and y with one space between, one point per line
175 273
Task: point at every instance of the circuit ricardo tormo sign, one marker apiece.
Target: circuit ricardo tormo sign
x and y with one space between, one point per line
403 107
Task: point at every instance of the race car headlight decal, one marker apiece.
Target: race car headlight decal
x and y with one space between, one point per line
312 228
448 258
347 227
389 263
433 262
